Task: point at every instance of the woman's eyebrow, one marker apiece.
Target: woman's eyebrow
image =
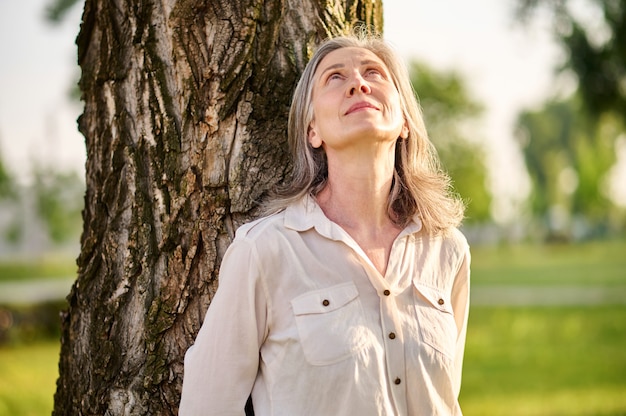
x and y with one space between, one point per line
332 67
340 66
369 62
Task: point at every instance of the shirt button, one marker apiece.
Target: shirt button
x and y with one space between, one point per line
397 381
440 301
325 302
387 292
392 335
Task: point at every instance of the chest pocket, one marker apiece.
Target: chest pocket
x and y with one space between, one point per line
437 326
331 323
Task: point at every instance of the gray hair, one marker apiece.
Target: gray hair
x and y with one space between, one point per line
420 187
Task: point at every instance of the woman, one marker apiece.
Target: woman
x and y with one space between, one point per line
352 297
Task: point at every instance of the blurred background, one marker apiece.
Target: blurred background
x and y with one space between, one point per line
526 103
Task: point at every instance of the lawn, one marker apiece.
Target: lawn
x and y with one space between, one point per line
545 361
53 266
594 263
28 380
519 361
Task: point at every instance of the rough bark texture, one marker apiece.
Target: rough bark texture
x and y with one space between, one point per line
185 114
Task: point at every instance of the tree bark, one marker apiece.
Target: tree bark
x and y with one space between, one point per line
185 114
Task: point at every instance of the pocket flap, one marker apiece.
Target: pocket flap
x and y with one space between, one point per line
437 298
324 300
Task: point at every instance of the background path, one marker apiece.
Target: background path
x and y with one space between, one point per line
581 295
35 291
45 290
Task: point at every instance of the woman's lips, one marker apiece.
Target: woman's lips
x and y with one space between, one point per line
360 106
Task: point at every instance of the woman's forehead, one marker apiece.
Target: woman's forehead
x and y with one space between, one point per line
342 56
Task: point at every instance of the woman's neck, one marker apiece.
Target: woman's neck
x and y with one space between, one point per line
357 189
356 197
356 203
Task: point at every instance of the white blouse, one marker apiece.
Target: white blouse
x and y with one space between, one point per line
304 321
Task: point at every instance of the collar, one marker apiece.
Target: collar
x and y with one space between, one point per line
307 214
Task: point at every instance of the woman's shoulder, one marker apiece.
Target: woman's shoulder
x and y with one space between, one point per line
457 237
263 226
450 242
457 241
296 216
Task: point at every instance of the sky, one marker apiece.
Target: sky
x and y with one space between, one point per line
37 70
507 66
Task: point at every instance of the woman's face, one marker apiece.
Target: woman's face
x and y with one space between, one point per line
354 101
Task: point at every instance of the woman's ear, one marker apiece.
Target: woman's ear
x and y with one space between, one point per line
404 133
314 138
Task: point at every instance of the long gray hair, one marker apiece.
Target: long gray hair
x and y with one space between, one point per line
420 187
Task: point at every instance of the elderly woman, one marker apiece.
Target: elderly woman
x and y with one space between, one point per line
351 297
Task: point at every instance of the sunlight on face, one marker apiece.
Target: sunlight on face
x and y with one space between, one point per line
354 101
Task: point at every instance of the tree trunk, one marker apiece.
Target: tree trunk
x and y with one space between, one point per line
186 105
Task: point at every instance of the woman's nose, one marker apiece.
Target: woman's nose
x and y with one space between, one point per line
358 84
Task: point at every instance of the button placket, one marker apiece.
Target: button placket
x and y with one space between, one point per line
394 350
391 289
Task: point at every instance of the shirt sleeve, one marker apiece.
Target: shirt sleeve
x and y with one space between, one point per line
222 365
460 306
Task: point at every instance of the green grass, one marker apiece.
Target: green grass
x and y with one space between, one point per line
28 380
594 263
44 267
545 361
520 361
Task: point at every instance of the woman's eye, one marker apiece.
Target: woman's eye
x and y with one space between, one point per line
334 76
373 73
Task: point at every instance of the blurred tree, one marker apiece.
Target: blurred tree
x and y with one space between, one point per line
185 119
7 182
595 46
11 227
448 111
55 12
59 202
568 154
57 9
570 144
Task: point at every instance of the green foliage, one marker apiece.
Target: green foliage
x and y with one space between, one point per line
465 162
448 111
567 155
57 9
9 195
26 324
575 138
14 232
7 183
596 48
59 202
